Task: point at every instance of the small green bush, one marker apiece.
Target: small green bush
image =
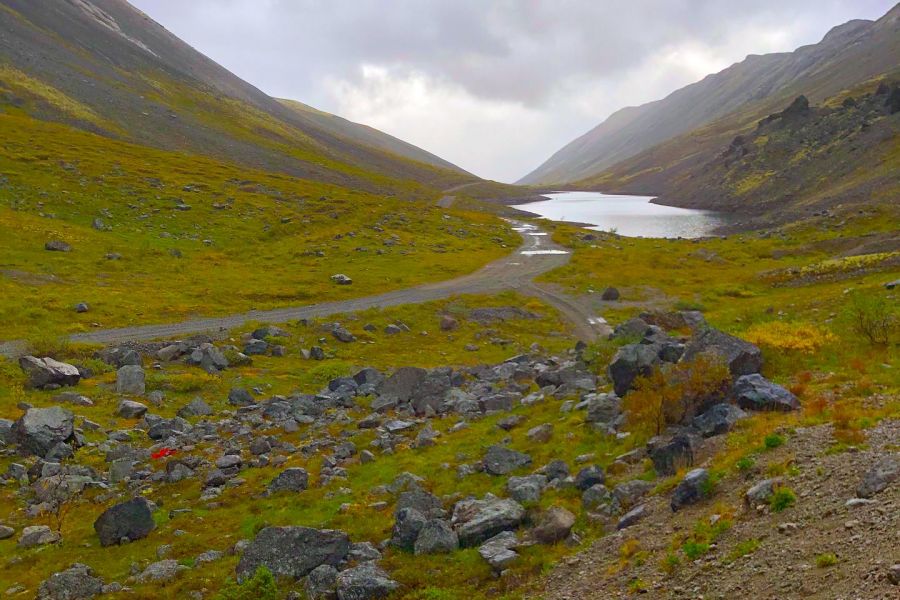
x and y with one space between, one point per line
745 464
773 440
782 499
694 550
261 586
826 560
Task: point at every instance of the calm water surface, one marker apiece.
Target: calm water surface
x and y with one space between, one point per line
632 216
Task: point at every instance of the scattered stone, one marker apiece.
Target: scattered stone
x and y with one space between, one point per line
448 323
129 409
368 581
78 582
540 434
761 492
589 476
294 479
45 373
500 460
436 537
37 535
478 520
341 279
6 532
240 397
632 517
882 474
718 419
755 392
554 525
526 489
630 362
742 357
610 294
321 583
669 456
498 550
256 347
57 246
693 488
130 379
161 571
195 408
39 430
342 335
128 521
293 551
81 307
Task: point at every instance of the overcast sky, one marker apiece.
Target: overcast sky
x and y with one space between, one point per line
494 86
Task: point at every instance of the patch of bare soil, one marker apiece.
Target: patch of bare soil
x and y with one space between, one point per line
864 537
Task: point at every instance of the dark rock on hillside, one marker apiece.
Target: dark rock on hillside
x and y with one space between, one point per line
57 246
78 582
240 397
630 362
742 357
610 294
485 316
420 500
131 379
554 525
718 419
119 356
499 551
293 551
129 409
478 520
321 582
127 521
499 460
589 476
269 331
209 358
882 474
526 489
755 392
693 488
407 527
670 455
436 537
47 373
368 581
40 430
195 408
294 479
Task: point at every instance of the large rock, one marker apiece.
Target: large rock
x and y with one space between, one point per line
499 550
436 537
408 525
526 489
603 408
294 479
129 409
209 358
39 430
670 455
129 521
78 582
761 493
755 392
195 408
427 504
554 525
882 474
478 520
742 357
403 383
500 460
589 476
130 379
321 583
48 373
630 362
293 551
693 488
368 581
37 535
718 419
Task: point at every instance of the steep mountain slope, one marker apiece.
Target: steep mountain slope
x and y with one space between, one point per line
365 135
106 67
759 85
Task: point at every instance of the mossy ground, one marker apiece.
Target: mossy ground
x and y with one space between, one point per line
249 240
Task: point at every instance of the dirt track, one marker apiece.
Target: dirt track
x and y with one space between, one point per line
537 255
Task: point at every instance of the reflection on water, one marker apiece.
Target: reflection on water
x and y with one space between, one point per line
629 215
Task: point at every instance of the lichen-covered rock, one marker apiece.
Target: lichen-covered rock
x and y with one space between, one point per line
500 460
693 488
742 357
436 537
755 392
368 581
48 373
129 521
477 520
293 551
39 430
78 582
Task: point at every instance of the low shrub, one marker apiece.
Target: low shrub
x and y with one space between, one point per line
826 560
261 586
782 498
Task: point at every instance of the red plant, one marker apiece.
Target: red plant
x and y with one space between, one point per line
162 453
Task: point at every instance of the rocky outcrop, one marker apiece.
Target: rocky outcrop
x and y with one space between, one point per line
293 551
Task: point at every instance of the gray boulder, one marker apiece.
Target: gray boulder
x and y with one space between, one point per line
761 492
209 358
589 476
294 479
119 356
610 294
603 408
554 525
693 488
526 489
39 430
882 474
407 527
368 581
596 498
500 460
48 373
628 493
670 455
499 550
742 357
341 334
57 246
256 347
436 537
630 362
240 397
129 409
195 408
127 521
130 379
755 392
78 582
427 504
161 571
478 520
37 535
718 419
632 517
321 583
293 551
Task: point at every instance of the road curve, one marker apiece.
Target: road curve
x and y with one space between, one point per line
537 254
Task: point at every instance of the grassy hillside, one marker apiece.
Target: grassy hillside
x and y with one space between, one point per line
197 236
105 67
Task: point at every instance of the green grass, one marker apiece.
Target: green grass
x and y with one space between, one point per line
783 498
826 560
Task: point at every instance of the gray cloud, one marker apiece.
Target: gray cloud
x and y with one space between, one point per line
495 86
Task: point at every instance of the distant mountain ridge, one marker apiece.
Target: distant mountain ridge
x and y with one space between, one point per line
105 66
848 55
